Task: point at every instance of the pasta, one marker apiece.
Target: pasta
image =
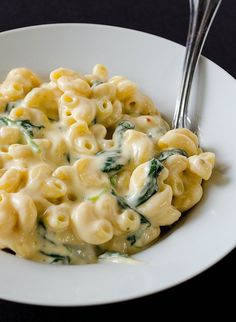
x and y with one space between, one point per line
88 165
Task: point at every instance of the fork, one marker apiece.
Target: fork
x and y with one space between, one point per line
202 14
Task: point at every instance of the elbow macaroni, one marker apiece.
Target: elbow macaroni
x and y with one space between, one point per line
87 164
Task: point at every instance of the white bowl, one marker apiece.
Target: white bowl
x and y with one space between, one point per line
205 235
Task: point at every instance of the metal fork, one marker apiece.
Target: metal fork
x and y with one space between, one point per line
202 13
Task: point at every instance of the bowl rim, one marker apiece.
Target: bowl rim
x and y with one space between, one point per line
144 293
100 25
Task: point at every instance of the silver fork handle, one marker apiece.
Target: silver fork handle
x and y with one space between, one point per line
202 13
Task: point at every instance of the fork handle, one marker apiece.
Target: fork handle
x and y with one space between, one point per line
202 13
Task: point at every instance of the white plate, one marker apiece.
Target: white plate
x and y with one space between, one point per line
207 233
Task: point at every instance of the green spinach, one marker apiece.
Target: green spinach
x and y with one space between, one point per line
26 128
10 106
121 129
150 187
122 202
114 160
96 83
167 153
113 180
57 258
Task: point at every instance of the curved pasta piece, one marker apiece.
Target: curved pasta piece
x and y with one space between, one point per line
57 217
106 206
18 83
40 171
89 173
125 89
104 90
56 74
104 110
128 221
143 181
176 164
4 159
7 214
114 117
69 99
35 116
63 173
53 188
192 192
121 182
88 228
26 211
153 125
81 140
43 99
84 111
181 139
138 146
65 115
87 145
9 135
99 131
101 72
158 208
202 164
19 151
139 104
138 178
188 199
78 85
55 151
11 179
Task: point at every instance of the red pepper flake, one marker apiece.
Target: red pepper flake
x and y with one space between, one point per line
148 119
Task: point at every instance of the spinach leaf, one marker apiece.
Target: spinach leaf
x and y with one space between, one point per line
135 236
10 106
112 164
145 223
57 258
26 128
120 200
167 153
42 230
96 197
131 239
96 83
125 125
121 129
113 180
113 161
124 204
150 187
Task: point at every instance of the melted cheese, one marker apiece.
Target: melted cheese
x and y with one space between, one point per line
79 168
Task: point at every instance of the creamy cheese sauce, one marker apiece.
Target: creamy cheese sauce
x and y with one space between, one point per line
88 167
